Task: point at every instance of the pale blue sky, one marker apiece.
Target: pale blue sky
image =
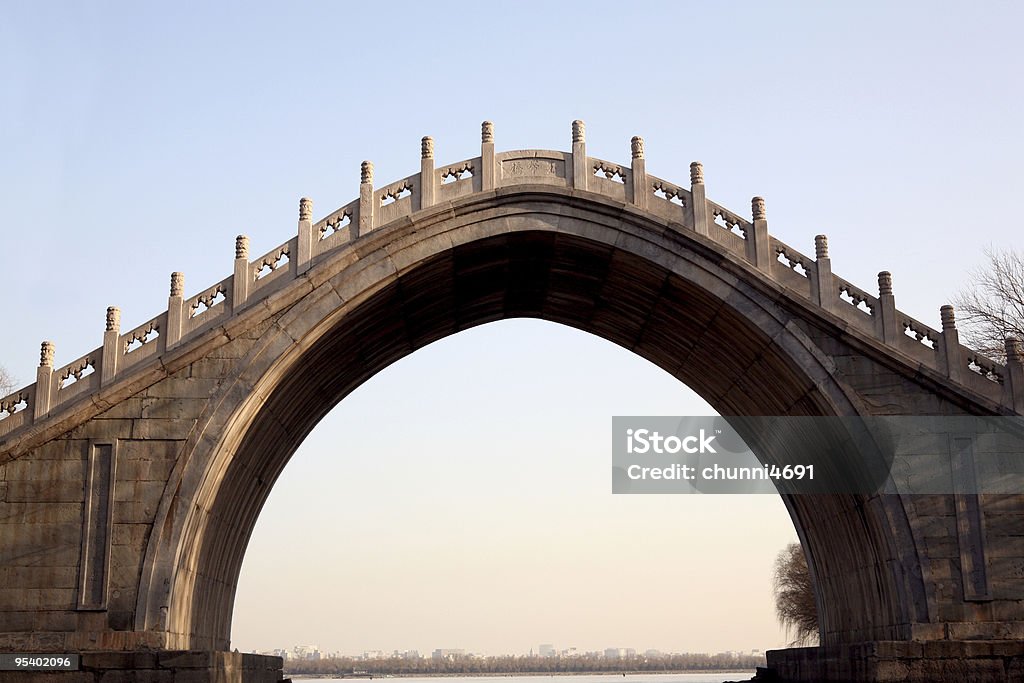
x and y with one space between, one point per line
137 140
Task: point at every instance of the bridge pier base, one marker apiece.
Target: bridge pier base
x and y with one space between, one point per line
978 661
169 666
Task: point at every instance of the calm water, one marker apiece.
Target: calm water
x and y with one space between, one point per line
587 678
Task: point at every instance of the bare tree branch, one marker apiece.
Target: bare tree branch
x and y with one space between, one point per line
6 382
794 595
991 308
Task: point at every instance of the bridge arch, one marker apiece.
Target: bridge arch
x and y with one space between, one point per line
550 255
171 434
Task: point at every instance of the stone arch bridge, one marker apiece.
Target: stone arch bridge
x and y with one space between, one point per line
131 477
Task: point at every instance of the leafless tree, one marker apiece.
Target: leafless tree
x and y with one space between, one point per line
6 382
794 595
991 307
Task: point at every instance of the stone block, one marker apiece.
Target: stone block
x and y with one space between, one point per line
46 491
177 659
31 469
48 677
16 599
129 408
98 428
182 386
137 676
121 619
39 544
154 428
148 449
147 492
39 577
119 660
130 511
212 368
174 408
40 512
134 535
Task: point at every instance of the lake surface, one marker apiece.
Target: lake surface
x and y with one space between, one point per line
564 678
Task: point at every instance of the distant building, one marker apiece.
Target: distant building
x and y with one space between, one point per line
546 650
619 652
306 652
447 653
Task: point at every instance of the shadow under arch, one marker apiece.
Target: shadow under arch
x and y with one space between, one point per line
690 313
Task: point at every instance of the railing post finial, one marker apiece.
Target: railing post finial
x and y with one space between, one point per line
1014 352
44 381
242 247
885 283
636 147
759 250
177 283
820 246
46 353
305 209
113 319
366 201
823 282
240 282
950 343
489 173
948 316
175 310
696 173
1015 373
111 346
757 209
579 131
427 147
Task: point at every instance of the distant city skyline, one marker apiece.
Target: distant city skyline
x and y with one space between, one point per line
312 651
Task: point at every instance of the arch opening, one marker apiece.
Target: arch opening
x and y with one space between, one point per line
711 330
459 498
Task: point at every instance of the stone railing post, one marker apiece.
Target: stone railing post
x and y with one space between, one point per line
1015 373
951 344
758 246
823 274
366 207
44 380
638 176
240 282
698 199
887 302
428 179
175 309
305 255
579 155
488 169
111 347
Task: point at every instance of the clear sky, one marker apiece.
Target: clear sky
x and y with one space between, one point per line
136 140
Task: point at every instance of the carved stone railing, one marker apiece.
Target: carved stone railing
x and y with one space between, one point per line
685 210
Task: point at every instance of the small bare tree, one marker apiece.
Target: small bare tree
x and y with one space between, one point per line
6 382
794 595
992 305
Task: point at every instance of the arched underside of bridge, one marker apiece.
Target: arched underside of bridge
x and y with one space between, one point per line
684 307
